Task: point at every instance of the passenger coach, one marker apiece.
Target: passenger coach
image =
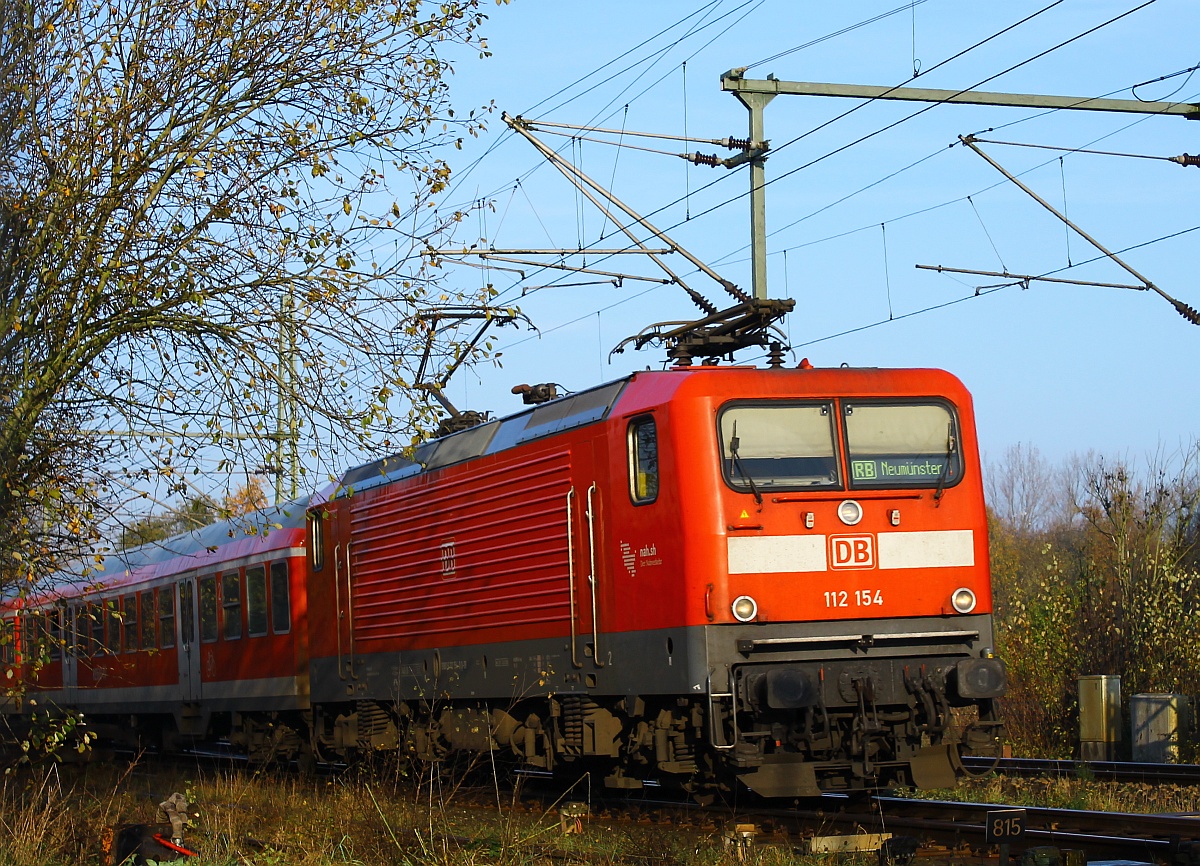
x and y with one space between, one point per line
198 636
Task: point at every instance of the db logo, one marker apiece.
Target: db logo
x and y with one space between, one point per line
852 551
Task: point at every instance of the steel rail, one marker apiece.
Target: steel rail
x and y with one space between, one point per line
1120 771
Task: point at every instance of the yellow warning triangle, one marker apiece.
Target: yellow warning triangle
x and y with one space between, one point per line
745 513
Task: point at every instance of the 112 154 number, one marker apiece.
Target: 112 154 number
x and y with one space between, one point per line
856 598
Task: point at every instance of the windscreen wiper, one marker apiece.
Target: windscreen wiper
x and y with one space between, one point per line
941 485
737 461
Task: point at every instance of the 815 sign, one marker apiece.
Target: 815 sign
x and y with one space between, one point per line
1004 825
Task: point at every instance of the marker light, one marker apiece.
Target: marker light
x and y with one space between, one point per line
850 512
963 600
744 608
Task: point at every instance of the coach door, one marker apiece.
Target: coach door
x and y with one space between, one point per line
188 640
71 642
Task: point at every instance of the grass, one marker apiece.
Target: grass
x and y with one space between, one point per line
1077 793
54 816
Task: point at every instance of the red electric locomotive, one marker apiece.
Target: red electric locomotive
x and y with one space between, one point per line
691 575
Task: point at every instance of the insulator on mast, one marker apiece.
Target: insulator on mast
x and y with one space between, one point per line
1189 313
709 159
1186 159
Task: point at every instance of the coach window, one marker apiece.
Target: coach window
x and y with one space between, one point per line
83 615
54 633
130 621
166 617
256 601
187 613
8 641
208 609
112 619
778 446
902 444
96 614
643 460
281 609
316 540
25 625
231 605
73 642
149 619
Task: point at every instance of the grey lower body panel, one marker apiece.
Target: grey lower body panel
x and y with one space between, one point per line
652 662
259 695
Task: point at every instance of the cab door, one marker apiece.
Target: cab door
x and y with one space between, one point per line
187 639
343 589
590 592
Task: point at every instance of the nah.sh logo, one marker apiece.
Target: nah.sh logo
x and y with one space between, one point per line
852 551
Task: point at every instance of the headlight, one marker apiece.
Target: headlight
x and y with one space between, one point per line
850 512
963 600
744 608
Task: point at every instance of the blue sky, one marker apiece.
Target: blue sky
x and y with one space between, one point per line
1065 368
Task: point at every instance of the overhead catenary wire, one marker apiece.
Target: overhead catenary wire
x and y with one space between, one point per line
862 104
980 292
842 32
953 57
887 275
1062 174
959 54
537 125
1188 72
616 158
698 27
927 108
1009 69
933 308
506 134
1183 309
986 233
687 178
924 210
652 59
1183 159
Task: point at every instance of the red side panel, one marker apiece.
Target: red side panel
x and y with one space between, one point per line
469 554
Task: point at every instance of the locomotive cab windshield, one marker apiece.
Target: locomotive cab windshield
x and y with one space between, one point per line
901 444
795 446
781 446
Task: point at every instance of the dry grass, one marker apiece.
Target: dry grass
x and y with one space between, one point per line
55 816
1079 793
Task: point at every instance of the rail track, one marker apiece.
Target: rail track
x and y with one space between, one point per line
936 829
1100 835
1118 771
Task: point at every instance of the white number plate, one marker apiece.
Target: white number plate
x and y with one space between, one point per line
853 598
